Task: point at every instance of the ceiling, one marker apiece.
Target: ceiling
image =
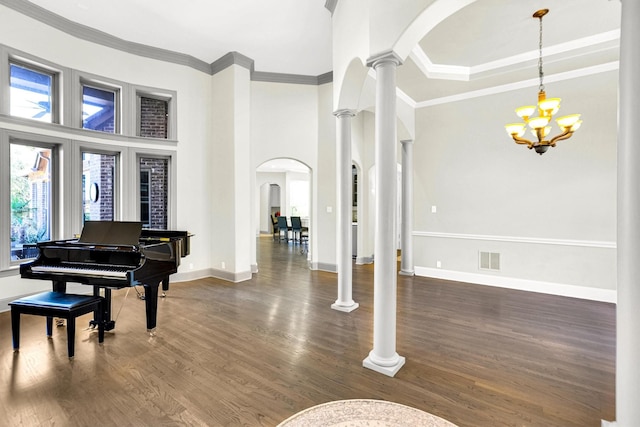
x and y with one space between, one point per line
486 44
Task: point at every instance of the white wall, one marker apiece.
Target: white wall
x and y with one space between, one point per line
551 217
296 121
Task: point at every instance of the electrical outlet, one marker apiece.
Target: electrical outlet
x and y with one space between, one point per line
438 264
223 265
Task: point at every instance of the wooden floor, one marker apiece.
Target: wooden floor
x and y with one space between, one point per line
256 352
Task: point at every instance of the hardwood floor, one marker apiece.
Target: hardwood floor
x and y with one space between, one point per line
256 352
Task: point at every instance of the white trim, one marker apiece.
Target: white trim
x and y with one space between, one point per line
513 239
464 73
573 291
582 72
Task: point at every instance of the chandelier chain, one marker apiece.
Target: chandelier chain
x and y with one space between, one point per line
540 72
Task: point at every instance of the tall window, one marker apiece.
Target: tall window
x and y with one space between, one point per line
30 198
98 186
99 109
145 206
31 93
154 183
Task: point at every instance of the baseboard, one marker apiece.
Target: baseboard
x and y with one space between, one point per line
323 266
364 260
582 292
229 276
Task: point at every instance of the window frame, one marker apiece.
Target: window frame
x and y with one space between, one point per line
172 203
9 57
117 176
57 147
162 95
117 103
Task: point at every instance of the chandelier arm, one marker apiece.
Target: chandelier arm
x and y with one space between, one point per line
564 135
519 140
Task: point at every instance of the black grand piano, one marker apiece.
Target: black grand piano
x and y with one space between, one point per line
112 255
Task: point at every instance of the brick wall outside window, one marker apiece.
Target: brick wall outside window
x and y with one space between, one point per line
158 187
153 118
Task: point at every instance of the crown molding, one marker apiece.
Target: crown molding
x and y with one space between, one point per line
263 76
98 37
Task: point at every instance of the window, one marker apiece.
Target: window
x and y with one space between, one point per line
154 183
145 206
98 186
100 108
31 199
31 93
154 117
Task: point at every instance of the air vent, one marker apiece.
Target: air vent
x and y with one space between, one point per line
489 261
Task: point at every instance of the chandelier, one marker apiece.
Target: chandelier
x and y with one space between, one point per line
546 107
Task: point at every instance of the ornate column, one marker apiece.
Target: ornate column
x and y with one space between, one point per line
628 239
383 358
406 241
343 163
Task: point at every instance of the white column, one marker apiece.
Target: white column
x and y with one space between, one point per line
406 240
343 164
628 239
383 358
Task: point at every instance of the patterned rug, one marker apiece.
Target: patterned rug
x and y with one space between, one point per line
363 412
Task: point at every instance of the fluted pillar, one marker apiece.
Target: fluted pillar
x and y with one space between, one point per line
406 240
383 358
628 233
343 164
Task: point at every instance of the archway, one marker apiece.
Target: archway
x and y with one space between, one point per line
283 187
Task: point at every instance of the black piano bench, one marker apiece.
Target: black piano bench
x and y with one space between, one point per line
57 304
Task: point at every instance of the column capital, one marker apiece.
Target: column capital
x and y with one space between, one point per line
383 58
344 113
406 141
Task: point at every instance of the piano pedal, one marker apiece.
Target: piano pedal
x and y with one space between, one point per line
109 325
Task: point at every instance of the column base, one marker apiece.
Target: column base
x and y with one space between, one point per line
407 273
389 371
345 307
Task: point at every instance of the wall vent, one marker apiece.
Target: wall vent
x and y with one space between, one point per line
489 261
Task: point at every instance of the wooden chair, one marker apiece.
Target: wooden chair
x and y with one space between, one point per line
61 305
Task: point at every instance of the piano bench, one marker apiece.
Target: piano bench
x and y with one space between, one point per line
61 305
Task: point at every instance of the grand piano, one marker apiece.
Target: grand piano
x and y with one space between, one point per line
112 255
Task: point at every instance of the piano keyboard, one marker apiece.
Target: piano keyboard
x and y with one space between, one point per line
106 272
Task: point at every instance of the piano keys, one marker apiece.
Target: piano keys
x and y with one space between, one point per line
112 255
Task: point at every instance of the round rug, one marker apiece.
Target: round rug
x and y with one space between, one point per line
363 412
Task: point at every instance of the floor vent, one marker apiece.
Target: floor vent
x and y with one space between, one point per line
489 261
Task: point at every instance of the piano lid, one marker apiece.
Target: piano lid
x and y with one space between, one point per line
111 232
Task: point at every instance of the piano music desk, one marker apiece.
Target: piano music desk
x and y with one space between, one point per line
57 304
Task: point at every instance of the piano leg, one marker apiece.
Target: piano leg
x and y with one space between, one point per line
109 324
59 286
165 286
151 306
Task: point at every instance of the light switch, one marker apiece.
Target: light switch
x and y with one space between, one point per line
434 209
329 209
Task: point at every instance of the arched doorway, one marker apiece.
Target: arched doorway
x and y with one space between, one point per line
284 188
